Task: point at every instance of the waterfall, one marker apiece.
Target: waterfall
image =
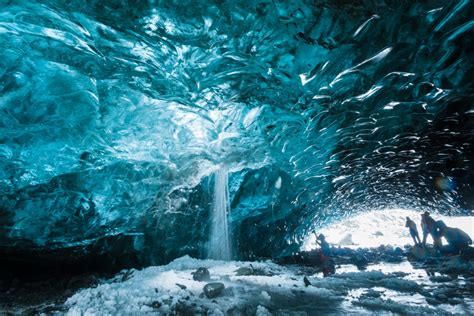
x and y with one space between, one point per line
219 241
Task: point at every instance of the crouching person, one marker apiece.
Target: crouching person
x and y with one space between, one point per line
457 239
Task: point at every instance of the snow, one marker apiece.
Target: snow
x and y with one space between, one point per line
269 289
390 305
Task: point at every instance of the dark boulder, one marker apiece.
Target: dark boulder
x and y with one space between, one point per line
214 289
201 274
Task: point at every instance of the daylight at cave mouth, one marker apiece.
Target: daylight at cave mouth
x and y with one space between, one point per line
222 157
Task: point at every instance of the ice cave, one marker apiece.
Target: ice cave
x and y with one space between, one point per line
222 157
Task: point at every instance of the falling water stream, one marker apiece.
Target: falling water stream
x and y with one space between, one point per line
219 241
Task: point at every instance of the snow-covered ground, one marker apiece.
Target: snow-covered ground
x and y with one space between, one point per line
386 227
265 288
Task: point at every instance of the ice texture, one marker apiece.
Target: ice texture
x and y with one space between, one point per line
115 114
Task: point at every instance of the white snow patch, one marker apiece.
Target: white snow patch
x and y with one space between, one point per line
271 289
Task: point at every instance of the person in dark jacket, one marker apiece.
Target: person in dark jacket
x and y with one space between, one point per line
430 227
413 231
327 263
457 239
325 247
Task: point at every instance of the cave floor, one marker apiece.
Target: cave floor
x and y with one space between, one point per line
262 288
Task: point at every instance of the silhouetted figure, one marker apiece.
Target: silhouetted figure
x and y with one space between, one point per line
457 239
431 227
325 247
328 265
413 231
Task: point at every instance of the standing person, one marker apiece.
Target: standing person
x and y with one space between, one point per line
413 231
429 226
325 247
425 226
327 263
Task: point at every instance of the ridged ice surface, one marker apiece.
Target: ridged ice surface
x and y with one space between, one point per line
113 115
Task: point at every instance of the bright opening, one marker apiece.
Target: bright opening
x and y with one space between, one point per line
381 227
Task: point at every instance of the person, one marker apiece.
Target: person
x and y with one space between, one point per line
457 239
325 247
327 263
413 231
431 227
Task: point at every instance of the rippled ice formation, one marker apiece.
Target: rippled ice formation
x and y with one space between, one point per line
113 115
274 289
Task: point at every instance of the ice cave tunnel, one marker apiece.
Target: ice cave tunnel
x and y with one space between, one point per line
150 138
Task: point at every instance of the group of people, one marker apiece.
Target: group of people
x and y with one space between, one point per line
457 239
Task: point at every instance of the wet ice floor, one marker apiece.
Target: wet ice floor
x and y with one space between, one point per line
431 283
266 288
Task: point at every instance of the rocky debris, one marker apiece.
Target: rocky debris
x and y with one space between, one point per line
360 261
155 304
183 309
361 257
181 286
306 282
441 278
420 252
213 289
372 293
251 270
456 265
201 274
127 275
244 271
239 310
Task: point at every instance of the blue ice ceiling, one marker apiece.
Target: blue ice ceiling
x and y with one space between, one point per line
115 114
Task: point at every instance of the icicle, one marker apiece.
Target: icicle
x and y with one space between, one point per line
219 242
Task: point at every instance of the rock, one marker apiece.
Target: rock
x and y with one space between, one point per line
225 278
241 310
454 301
181 286
360 261
441 278
155 304
127 275
442 297
306 282
432 301
201 274
398 251
426 252
183 309
373 293
213 289
244 271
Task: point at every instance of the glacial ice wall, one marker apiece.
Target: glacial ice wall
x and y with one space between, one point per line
114 114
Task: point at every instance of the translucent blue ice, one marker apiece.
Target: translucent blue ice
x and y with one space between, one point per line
114 114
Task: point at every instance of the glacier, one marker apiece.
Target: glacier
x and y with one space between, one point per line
114 116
